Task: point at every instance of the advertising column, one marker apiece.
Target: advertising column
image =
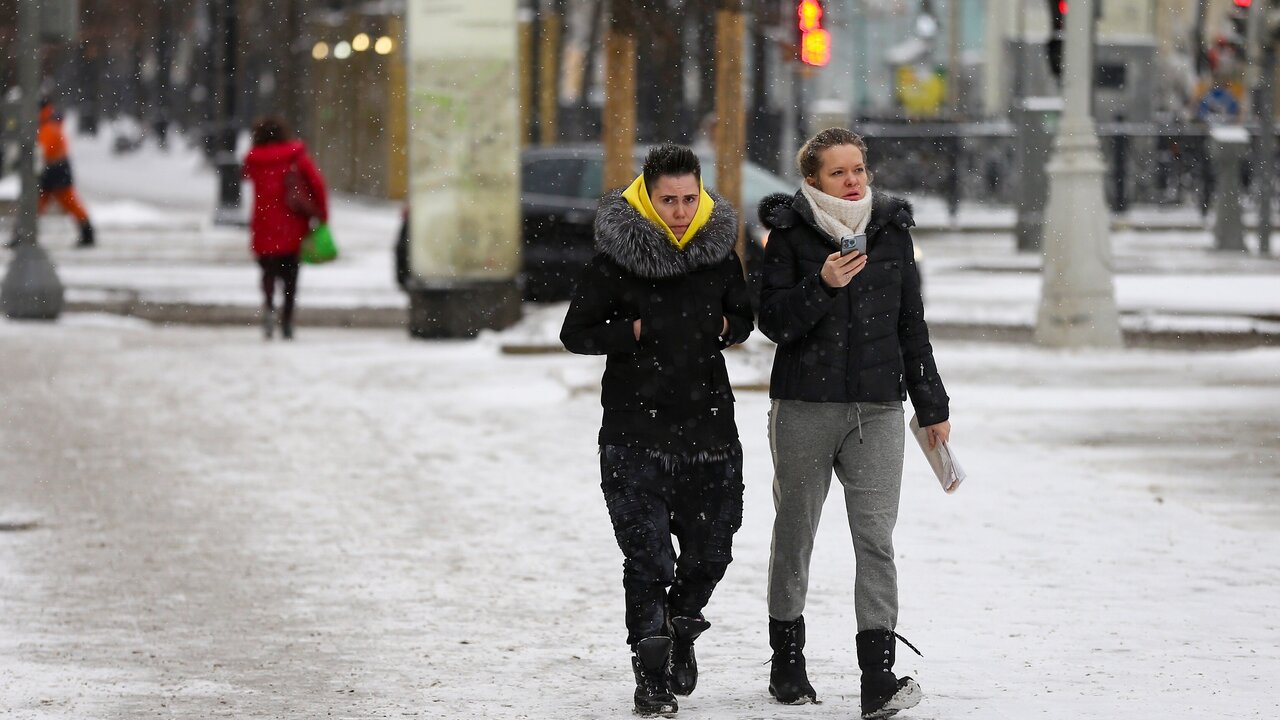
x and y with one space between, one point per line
464 163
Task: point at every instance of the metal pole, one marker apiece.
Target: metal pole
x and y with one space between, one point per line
1019 85
228 209
1266 145
789 130
1202 15
953 60
31 289
1077 305
1253 57
27 45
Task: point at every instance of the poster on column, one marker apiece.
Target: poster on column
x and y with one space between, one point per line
464 155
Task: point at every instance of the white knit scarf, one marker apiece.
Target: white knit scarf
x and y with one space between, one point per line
836 216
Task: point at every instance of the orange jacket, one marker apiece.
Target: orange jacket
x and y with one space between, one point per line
53 143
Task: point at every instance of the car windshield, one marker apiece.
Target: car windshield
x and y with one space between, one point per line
756 182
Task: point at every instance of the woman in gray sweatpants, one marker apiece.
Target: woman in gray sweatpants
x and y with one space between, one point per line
842 300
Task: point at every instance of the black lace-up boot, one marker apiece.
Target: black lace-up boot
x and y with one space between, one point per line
788 679
650 660
684 666
883 693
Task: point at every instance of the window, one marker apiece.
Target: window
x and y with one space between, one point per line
1110 76
552 176
592 180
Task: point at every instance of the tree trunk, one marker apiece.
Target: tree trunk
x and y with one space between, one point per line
730 134
620 96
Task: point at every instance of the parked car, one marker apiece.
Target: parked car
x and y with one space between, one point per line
560 187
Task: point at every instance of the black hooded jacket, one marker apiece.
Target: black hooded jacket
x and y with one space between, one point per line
865 342
669 391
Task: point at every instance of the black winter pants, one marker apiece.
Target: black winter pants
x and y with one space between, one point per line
282 268
652 498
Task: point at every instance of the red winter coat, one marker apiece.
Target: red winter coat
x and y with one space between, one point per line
274 229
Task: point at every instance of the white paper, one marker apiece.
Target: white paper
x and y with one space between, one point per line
941 459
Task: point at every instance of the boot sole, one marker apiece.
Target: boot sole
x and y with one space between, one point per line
668 711
802 700
899 702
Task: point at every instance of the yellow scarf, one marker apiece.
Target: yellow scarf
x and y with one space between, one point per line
638 196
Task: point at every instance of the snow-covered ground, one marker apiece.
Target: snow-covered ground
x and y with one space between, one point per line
359 525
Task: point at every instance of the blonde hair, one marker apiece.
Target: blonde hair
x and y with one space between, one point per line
809 159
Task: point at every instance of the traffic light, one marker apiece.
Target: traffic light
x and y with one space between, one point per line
1058 24
1239 19
815 41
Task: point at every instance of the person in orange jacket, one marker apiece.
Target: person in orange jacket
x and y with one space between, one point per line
56 182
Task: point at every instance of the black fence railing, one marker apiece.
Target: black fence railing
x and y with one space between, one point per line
1147 164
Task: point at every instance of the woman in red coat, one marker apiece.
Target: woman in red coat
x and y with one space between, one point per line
276 229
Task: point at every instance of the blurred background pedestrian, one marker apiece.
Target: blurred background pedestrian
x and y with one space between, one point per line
56 181
288 193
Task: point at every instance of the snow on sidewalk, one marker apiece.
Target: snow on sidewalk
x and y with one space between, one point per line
367 526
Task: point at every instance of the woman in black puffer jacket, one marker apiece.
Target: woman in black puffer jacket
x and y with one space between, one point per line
852 345
662 298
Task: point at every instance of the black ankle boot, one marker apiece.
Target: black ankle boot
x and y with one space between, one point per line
684 666
883 693
649 660
86 236
788 679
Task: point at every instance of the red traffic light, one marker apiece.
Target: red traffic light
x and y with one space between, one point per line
810 12
815 48
1243 3
815 41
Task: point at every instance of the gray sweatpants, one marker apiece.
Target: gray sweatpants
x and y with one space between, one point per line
863 444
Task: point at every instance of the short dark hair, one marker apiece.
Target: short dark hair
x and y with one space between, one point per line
670 159
270 129
809 159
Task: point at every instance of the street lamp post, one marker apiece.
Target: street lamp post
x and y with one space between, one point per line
226 131
1077 303
31 289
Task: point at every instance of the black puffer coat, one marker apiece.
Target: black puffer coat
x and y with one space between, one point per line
669 391
865 342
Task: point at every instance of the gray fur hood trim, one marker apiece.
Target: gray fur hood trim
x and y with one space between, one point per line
642 248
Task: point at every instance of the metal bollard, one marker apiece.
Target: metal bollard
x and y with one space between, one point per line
1229 144
1037 120
1119 172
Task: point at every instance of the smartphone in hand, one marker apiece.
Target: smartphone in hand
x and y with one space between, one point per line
849 243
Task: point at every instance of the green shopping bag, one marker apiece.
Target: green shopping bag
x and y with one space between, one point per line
318 246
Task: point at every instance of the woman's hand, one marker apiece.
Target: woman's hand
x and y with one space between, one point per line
938 433
839 269
635 328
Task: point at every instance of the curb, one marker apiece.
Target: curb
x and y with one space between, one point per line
1146 338
184 313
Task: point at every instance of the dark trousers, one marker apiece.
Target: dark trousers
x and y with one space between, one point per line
282 268
650 498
